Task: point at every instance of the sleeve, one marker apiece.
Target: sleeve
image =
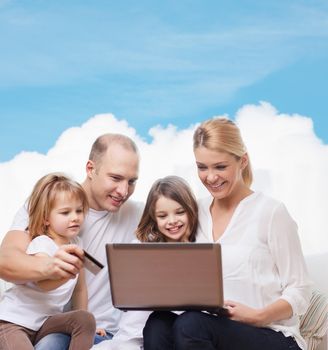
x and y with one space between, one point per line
20 221
42 244
287 253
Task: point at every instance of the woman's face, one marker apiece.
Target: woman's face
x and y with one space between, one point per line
172 220
220 172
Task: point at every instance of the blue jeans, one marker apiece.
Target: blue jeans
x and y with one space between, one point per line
54 341
195 330
60 341
99 338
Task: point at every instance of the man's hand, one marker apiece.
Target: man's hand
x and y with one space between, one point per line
18 267
66 263
57 274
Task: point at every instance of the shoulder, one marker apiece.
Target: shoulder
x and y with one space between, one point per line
128 216
276 211
131 207
204 208
42 244
265 202
20 221
204 203
42 240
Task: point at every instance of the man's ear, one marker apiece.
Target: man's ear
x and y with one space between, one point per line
90 168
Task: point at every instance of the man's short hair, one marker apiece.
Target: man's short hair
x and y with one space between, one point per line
102 143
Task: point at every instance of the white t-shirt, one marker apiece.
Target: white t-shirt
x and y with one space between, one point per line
262 258
29 306
99 228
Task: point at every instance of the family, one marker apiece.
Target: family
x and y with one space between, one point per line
56 304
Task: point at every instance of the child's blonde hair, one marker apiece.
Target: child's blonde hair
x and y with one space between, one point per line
177 189
43 199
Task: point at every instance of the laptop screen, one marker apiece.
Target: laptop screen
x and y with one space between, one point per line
165 276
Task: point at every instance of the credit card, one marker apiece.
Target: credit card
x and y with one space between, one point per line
91 263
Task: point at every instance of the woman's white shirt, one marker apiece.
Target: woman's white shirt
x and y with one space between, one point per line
261 257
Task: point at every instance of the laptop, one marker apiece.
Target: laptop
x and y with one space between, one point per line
165 276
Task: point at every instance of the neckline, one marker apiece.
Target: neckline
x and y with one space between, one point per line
98 212
233 217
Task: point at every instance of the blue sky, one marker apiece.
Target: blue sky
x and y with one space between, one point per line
155 62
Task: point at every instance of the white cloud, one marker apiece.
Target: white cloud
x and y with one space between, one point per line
289 163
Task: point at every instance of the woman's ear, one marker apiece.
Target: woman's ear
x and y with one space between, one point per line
244 161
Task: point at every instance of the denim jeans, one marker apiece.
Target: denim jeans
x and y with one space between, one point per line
60 341
54 341
99 338
195 330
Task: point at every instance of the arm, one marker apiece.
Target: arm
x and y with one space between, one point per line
48 284
286 251
286 254
80 293
17 266
80 298
279 310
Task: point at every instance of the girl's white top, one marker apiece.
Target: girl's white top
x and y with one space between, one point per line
262 258
29 306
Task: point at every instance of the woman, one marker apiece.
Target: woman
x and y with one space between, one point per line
266 286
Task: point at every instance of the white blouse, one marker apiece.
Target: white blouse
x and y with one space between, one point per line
262 258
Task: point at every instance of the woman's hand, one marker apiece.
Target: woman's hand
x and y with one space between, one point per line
242 313
278 310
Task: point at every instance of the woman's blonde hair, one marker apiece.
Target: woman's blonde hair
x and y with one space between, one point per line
223 135
177 189
43 198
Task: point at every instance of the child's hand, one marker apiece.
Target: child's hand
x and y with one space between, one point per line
101 332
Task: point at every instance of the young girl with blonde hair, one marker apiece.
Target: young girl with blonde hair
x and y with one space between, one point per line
30 311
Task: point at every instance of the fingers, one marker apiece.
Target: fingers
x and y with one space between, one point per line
72 249
230 303
230 307
101 332
66 263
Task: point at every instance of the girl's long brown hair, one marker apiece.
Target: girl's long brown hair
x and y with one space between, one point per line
177 189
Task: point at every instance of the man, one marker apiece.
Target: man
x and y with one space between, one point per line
111 175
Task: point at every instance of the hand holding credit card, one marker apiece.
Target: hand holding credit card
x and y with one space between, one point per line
91 263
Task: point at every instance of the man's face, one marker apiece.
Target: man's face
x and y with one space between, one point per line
113 178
